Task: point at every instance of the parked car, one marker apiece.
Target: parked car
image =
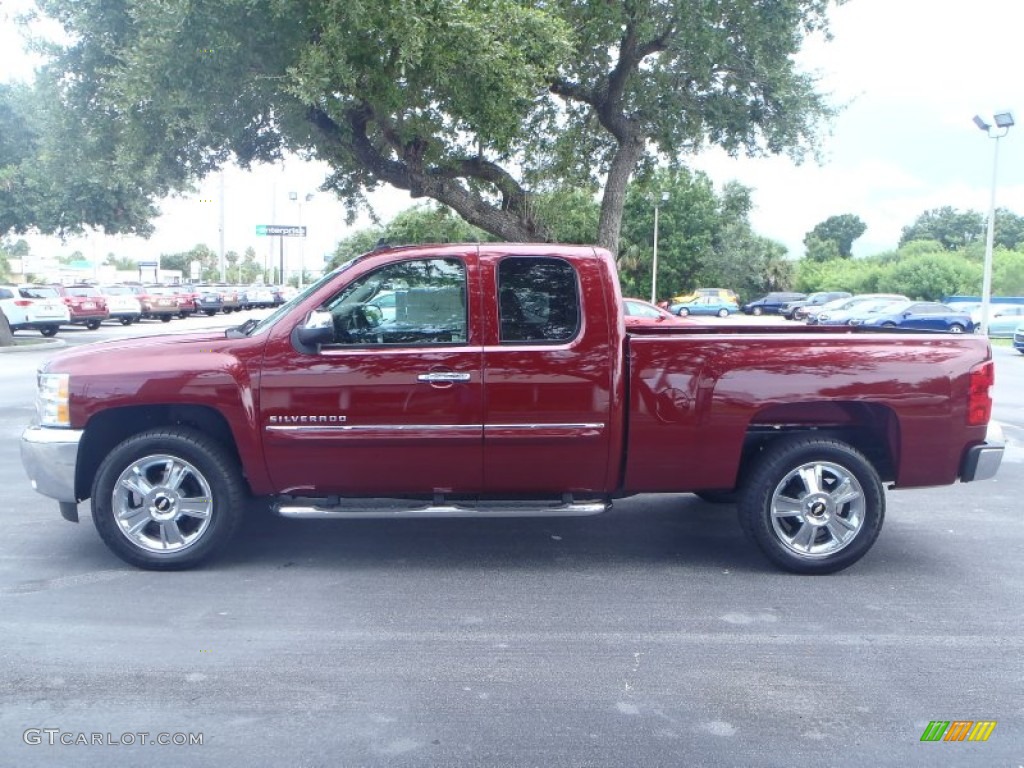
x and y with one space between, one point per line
186 298
796 310
122 303
1018 338
643 314
229 296
725 294
26 309
858 311
921 315
154 305
209 299
972 308
1004 319
705 305
814 314
256 297
772 303
85 303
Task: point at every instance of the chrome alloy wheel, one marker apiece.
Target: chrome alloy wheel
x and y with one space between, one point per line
162 503
817 509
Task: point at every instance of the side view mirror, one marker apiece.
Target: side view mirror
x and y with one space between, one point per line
317 330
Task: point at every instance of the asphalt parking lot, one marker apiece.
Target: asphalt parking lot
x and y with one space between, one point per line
654 635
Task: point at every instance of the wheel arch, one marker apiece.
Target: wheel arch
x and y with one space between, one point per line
871 428
110 427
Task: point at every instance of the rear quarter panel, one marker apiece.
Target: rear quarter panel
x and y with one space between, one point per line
693 396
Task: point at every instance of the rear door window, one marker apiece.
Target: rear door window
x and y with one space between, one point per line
538 300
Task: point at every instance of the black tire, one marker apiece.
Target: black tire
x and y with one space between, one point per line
888 325
125 320
49 330
956 328
209 477
209 312
683 312
756 311
772 478
723 313
717 497
92 325
165 318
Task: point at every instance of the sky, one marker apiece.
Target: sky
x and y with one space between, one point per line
908 75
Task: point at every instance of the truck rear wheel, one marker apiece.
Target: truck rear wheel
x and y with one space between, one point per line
167 499
812 505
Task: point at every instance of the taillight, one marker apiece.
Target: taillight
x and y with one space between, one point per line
979 401
22 303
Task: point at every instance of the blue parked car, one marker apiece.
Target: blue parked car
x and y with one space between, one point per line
772 304
705 305
919 315
1004 319
1018 339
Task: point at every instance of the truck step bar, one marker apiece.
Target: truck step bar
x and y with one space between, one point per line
335 508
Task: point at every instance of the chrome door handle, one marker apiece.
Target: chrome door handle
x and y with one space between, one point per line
444 377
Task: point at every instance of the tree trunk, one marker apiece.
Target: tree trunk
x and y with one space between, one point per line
614 201
6 335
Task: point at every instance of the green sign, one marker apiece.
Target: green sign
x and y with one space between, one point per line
280 230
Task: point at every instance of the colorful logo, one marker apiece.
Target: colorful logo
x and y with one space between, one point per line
958 730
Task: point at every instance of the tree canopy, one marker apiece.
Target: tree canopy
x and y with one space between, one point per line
480 105
704 239
834 237
953 228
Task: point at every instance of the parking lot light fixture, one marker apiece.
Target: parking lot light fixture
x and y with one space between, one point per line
654 263
1003 123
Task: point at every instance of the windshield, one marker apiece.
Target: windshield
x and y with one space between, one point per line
270 320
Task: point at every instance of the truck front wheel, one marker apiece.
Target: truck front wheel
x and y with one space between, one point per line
812 505
167 499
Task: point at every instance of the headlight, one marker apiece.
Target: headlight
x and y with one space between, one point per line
52 399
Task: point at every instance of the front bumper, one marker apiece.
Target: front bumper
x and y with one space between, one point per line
49 455
982 461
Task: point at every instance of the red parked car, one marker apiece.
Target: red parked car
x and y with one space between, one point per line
154 305
643 314
85 303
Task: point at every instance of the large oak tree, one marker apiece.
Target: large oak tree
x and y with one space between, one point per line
478 104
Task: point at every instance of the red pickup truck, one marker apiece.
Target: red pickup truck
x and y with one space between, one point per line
497 380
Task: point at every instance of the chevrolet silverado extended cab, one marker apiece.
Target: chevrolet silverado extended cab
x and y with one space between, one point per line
499 380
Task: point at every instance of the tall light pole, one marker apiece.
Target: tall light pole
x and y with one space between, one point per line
294 197
654 264
1003 124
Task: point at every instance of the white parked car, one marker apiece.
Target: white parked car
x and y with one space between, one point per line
24 310
122 303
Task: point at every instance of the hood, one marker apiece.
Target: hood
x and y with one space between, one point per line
135 352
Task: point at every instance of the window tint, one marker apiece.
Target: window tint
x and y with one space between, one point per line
5 293
538 300
414 302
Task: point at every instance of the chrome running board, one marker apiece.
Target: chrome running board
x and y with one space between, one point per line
366 509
